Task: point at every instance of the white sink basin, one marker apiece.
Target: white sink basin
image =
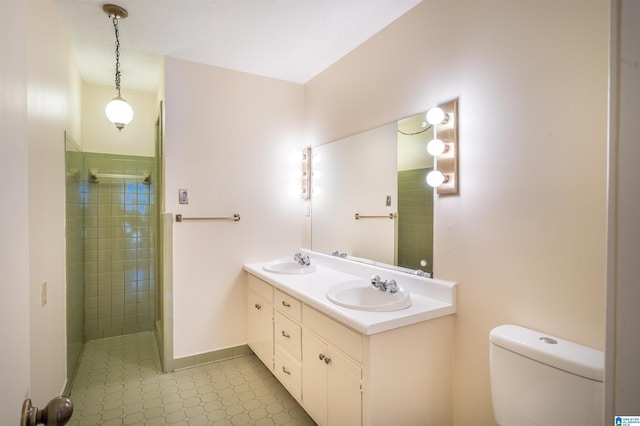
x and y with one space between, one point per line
288 266
360 294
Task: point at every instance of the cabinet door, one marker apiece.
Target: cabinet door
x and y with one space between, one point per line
331 390
260 327
344 390
314 377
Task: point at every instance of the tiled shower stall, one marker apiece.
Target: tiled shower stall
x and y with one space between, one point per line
120 224
111 247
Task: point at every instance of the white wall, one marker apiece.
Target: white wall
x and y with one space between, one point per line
37 78
100 135
623 340
525 238
49 114
14 244
233 140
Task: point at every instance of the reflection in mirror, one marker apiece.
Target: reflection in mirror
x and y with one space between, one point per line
380 175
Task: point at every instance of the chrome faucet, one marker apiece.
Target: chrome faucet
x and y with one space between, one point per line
377 282
303 260
421 273
384 285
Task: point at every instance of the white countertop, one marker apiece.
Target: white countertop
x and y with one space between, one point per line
431 298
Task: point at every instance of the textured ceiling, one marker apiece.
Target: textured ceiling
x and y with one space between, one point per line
292 40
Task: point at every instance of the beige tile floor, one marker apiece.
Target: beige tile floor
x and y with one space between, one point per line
119 382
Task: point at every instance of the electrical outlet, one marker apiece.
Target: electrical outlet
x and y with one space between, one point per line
44 292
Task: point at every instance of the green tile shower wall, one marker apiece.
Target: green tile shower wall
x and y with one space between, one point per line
415 220
120 228
74 201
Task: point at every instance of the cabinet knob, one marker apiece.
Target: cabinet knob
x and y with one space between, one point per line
285 334
258 306
324 358
285 304
285 371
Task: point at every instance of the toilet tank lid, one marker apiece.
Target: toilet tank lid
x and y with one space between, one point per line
564 355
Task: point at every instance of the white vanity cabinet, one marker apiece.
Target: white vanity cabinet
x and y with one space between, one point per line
260 319
343 377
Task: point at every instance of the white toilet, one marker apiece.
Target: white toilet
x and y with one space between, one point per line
537 379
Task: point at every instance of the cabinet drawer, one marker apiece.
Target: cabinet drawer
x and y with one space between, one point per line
262 288
288 335
289 372
288 305
349 341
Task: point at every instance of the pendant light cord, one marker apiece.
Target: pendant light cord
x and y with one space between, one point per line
117 31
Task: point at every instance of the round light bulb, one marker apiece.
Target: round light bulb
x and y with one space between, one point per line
435 178
436 116
436 147
119 112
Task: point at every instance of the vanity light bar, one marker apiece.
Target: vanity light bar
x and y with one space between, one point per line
306 174
447 161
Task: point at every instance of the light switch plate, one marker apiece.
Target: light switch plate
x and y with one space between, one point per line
183 196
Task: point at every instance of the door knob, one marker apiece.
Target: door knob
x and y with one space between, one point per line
57 413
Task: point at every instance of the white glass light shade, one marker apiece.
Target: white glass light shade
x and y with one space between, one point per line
436 116
119 112
436 147
435 178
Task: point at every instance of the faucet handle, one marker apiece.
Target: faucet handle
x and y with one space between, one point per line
375 281
392 286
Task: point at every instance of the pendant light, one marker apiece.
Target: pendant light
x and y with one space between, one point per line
118 111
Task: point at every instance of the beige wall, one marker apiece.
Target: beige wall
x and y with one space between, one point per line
623 340
39 101
14 244
525 239
51 109
233 140
100 135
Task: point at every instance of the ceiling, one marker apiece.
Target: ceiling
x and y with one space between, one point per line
292 40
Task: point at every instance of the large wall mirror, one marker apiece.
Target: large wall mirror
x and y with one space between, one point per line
370 198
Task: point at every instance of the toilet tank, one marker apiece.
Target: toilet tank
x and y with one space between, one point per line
537 379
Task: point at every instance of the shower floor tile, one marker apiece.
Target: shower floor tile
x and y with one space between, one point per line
119 382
